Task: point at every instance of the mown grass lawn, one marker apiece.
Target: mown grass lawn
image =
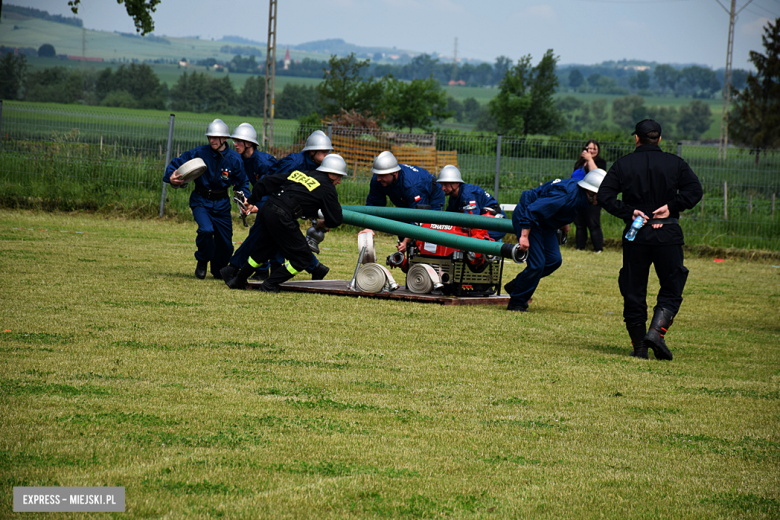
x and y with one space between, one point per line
119 368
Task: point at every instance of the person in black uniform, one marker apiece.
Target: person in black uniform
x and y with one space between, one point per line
656 186
291 196
589 219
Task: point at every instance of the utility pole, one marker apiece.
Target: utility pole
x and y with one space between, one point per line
455 61
270 78
724 123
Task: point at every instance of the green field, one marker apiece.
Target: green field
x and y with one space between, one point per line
119 368
16 31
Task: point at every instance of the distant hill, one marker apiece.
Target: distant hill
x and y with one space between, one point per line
339 47
37 13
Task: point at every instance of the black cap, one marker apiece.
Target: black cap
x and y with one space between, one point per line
646 126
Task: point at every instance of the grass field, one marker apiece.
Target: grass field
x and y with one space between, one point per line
119 368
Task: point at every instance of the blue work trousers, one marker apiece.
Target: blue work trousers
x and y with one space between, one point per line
215 234
544 257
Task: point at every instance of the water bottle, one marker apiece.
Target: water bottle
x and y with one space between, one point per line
634 229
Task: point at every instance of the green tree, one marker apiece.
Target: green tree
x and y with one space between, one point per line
569 107
251 101
593 80
700 81
667 77
666 116
755 119
55 85
296 101
239 64
119 98
471 109
607 85
628 111
139 10
140 81
416 103
456 107
198 92
46 51
598 110
576 78
640 81
344 88
13 72
500 68
694 119
525 103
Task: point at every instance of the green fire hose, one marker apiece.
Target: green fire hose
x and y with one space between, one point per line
476 245
436 217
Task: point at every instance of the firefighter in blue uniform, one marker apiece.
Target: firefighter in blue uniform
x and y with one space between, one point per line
539 214
468 198
209 201
257 165
406 187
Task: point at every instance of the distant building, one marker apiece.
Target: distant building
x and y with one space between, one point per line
183 62
287 59
459 83
637 67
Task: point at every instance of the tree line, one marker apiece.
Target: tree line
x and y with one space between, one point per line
525 103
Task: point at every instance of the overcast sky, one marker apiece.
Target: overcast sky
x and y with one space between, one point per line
579 31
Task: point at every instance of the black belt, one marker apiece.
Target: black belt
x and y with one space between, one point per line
210 194
663 221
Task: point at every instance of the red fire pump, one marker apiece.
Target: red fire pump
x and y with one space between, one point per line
461 273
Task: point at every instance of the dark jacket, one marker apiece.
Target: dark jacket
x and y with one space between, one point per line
295 161
550 206
415 186
258 166
303 194
648 178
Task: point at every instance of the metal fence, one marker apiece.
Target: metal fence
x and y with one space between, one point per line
83 157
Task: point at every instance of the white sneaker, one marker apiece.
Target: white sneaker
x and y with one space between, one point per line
597 252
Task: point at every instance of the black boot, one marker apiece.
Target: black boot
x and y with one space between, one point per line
228 272
200 270
637 331
239 281
277 277
510 285
320 272
654 339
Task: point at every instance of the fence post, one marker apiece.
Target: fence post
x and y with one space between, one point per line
750 204
725 200
773 204
498 167
1 126
330 131
167 161
679 148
